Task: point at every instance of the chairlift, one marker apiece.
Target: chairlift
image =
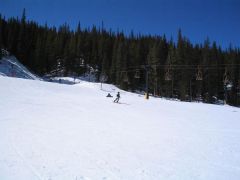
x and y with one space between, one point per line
137 74
168 75
103 77
199 75
81 62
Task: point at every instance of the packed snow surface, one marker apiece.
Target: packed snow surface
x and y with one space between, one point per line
51 131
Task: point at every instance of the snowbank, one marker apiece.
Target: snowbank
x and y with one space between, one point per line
10 66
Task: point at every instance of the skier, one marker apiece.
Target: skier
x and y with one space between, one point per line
117 98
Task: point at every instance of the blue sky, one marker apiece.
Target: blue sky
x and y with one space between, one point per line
217 19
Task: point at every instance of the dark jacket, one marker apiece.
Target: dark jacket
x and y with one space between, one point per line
118 95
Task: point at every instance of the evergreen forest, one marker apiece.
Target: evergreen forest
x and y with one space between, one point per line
134 62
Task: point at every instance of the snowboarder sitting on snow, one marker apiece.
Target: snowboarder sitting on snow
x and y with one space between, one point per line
109 95
117 98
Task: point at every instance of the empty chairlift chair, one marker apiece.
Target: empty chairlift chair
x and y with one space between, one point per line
199 74
137 74
168 75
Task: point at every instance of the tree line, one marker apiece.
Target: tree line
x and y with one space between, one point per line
181 69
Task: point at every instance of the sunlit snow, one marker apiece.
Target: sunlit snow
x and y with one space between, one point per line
52 131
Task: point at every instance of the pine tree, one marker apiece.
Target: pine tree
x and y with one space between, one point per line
21 44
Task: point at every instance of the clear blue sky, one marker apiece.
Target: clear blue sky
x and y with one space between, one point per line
217 19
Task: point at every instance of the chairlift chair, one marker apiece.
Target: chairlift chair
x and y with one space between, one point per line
199 75
137 74
82 62
168 76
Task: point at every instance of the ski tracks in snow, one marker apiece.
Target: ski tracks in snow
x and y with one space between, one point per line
25 161
58 165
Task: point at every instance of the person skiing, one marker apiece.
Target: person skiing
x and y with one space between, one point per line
117 97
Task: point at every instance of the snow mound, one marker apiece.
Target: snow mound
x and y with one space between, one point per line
58 132
10 66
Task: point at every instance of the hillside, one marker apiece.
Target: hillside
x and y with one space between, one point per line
176 68
10 66
58 132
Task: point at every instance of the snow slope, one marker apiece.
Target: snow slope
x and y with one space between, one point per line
10 66
51 131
